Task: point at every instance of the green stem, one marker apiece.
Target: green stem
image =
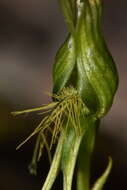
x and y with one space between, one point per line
84 159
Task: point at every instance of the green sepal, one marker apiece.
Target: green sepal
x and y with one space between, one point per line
55 166
64 64
98 65
69 157
102 180
68 8
71 149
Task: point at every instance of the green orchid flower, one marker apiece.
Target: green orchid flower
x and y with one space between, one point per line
85 81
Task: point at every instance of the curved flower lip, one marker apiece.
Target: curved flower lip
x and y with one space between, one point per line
68 107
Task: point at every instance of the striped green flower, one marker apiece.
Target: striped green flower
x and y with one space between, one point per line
84 84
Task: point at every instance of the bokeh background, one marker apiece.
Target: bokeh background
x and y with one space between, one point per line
30 33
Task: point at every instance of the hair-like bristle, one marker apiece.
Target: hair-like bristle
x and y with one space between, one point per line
67 108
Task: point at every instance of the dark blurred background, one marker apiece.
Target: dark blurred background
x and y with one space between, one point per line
30 33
